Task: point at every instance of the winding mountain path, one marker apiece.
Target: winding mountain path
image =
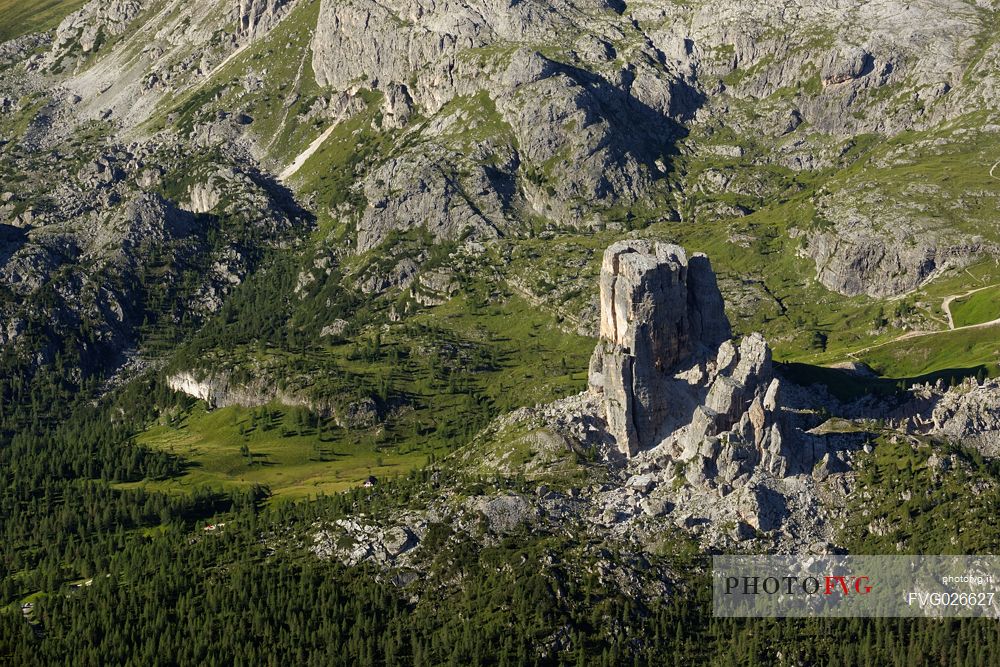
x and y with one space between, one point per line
306 154
946 306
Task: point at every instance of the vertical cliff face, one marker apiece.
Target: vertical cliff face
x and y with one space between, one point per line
658 310
254 13
94 22
669 377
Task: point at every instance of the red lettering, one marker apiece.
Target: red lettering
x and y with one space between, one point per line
861 585
830 581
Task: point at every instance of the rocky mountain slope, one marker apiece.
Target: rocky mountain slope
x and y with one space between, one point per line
440 272
399 156
687 437
474 121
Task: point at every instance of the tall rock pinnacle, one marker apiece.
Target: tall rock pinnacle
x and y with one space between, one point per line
658 309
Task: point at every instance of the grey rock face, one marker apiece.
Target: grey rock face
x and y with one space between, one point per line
424 195
219 390
96 21
258 14
393 40
859 259
562 137
844 67
399 540
658 310
971 414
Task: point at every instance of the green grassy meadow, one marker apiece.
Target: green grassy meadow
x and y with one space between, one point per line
270 446
977 308
970 349
20 17
439 378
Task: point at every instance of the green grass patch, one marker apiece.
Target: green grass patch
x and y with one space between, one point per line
977 308
975 350
272 446
21 17
848 386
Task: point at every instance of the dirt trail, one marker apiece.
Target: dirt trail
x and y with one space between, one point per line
993 168
921 334
306 154
946 307
236 54
946 304
225 61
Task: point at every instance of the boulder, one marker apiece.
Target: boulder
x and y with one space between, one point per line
762 508
503 514
398 540
830 464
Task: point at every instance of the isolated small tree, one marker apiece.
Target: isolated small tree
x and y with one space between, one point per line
880 319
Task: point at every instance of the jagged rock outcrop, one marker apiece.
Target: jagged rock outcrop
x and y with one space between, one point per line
220 390
891 258
204 197
668 374
94 23
657 309
970 414
259 14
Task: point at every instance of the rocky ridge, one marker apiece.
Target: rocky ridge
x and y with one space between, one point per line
687 431
94 22
968 414
682 431
604 135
